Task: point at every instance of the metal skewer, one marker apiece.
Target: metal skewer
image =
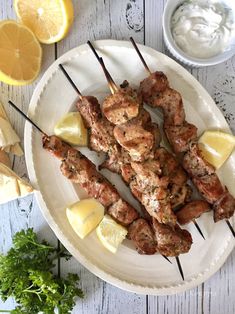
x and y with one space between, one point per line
73 84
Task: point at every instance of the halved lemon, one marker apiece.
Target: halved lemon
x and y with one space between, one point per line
20 54
110 233
216 147
84 216
71 129
49 20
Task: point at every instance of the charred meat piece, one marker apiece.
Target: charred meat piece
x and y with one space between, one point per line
101 130
191 211
122 212
180 136
121 107
195 164
102 138
55 146
210 187
153 85
224 208
89 109
154 129
148 175
138 136
170 166
172 241
143 237
79 169
179 194
151 190
171 103
155 201
82 171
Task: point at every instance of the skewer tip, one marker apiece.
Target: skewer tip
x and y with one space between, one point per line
140 55
26 117
199 229
112 85
179 266
166 258
230 227
70 80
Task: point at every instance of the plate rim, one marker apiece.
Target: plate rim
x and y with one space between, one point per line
131 287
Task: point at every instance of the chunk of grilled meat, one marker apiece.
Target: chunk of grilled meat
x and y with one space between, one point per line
181 136
100 129
170 166
153 85
195 164
142 235
191 211
210 187
224 208
146 187
79 169
172 104
55 146
122 106
179 194
138 136
152 190
171 241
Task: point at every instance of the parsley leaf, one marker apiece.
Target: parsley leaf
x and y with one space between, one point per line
26 274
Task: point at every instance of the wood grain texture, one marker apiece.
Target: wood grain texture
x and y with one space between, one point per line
21 213
104 19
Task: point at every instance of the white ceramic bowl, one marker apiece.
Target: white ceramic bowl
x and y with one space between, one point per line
170 8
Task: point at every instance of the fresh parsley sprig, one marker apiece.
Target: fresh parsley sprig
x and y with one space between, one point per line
26 274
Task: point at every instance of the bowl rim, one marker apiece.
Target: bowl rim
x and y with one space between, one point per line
179 53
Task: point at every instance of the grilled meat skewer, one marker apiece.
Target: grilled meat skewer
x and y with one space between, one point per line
156 92
81 170
128 135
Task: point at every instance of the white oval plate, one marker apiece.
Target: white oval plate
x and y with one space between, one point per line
51 99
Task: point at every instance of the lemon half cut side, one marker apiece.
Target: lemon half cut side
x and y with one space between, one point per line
20 54
49 20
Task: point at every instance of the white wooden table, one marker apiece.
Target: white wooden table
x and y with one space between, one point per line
118 19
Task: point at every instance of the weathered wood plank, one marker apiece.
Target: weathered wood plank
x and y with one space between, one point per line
22 213
219 290
103 20
188 302
219 81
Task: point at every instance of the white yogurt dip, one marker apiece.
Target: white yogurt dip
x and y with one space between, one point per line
203 28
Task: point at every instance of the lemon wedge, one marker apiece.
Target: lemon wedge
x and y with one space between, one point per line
84 216
49 20
71 129
20 54
110 233
216 147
